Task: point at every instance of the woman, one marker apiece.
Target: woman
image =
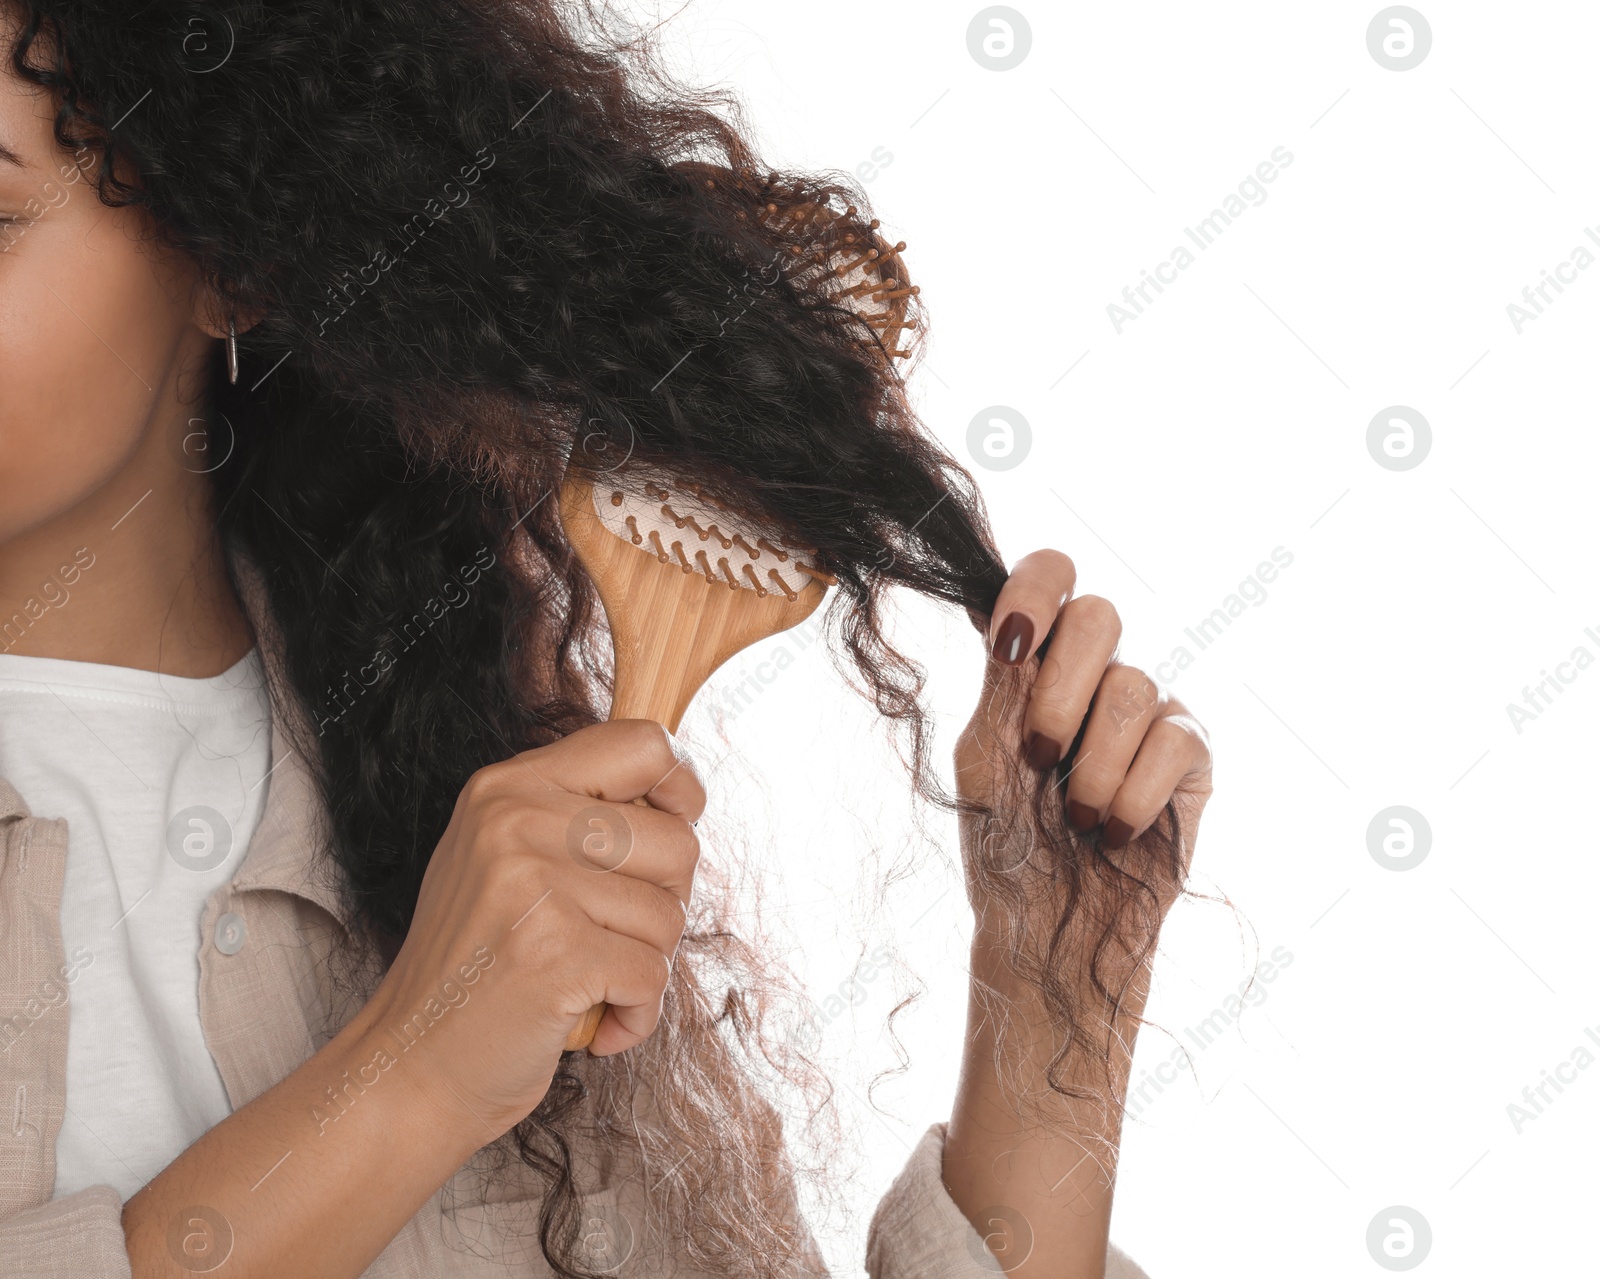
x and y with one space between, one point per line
303 306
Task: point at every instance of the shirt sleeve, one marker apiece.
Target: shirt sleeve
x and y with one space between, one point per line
918 1232
78 1236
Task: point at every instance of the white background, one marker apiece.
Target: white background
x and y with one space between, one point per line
1169 460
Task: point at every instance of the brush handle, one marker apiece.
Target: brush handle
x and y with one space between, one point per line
583 1033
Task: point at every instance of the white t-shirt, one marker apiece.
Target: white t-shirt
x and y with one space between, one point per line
162 781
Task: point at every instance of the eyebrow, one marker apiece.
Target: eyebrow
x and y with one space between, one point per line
11 157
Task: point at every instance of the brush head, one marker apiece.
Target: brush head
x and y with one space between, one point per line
687 528
686 581
825 253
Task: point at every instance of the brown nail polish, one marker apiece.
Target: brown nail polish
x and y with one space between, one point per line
1013 643
1043 751
1081 817
1116 834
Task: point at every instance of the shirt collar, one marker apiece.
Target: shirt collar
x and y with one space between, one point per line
287 852
11 803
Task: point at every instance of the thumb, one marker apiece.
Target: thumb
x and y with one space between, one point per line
993 736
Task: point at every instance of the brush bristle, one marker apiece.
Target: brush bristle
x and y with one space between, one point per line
679 525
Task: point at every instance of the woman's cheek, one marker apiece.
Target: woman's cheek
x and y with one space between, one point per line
86 313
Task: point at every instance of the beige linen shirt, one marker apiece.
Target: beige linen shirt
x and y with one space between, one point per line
264 1006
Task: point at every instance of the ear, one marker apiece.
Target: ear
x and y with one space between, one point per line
212 313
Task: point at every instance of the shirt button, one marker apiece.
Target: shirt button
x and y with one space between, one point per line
230 933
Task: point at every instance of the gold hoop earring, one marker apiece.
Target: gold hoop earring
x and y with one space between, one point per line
233 353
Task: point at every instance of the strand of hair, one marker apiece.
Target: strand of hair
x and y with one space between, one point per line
816 574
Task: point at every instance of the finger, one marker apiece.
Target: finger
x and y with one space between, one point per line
633 841
1028 604
1087 633
630 979
1125 706
619 760
1173 749
632 908
622 1027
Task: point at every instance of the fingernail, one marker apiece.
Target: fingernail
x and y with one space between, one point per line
1043 752
1116 834
1013 644
1081 816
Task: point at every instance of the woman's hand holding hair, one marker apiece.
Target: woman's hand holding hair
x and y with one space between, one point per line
1030 1151
1140 747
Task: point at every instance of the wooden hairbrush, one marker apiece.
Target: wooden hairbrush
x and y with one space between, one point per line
831 256
686 582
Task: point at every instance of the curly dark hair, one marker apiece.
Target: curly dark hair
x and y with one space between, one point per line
479 238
